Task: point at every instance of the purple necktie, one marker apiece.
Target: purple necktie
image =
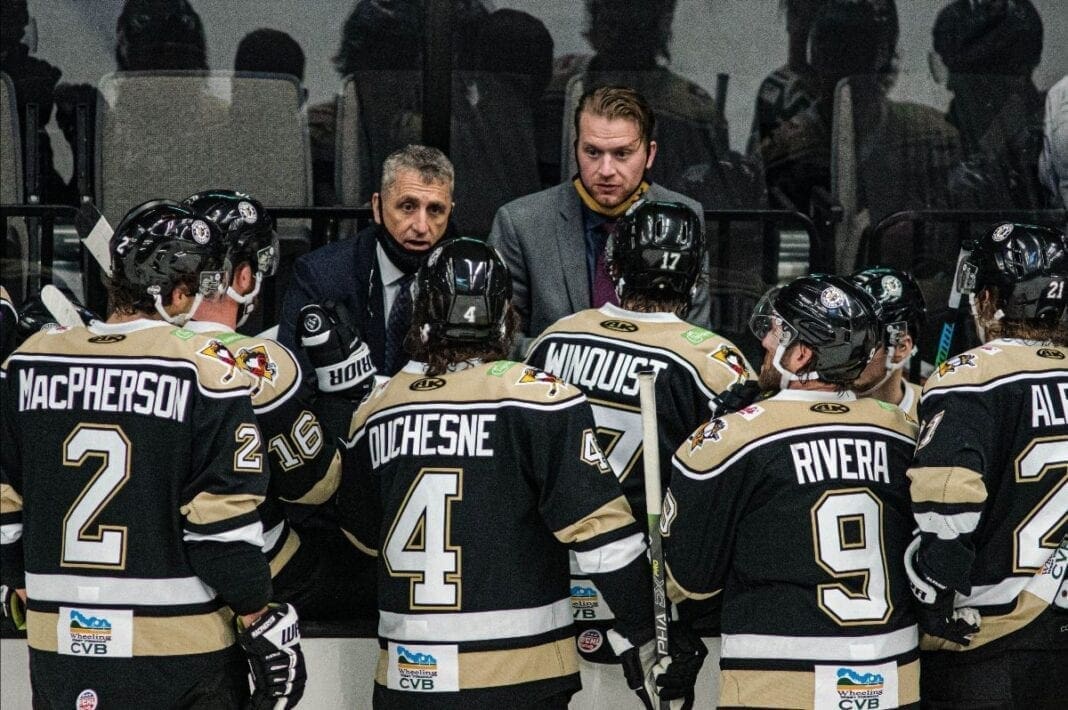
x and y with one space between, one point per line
604 290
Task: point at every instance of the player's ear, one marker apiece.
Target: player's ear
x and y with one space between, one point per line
797 356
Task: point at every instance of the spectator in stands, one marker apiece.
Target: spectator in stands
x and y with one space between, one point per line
553 241
159 34
631 44
34 82
986 53
1054 161
792 88
271 52
371 273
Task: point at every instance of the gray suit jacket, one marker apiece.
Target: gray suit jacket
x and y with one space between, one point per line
542 240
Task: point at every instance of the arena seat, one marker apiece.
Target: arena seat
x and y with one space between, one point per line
14 270
176 133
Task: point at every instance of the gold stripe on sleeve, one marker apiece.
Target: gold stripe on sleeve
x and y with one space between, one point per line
10 501
946 484
369 551
285 554
677 593
207 508
613 515
1028 607
326 487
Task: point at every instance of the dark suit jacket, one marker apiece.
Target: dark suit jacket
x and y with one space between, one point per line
542 240
345 272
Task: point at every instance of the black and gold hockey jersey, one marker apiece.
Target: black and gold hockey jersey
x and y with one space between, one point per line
471 487
601 351
305 462
990 477
910 403
132 466
795 510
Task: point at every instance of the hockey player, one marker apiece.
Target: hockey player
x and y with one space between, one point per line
904 312
990 487
131 470
304 458
9 319
654 258
472 476
795 511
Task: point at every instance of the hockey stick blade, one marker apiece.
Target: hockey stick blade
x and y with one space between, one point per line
95 232
60 307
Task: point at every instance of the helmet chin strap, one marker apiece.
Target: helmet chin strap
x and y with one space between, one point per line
178 319
246 301
890 366
785 376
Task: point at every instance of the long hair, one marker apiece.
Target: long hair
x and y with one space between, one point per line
439 354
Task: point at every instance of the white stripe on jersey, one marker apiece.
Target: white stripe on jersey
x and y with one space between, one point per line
251 533
458 627
998 382
947 527
611 557
10 533
139 591
128 363
821 648
836 429
1004 592
462 407
270 537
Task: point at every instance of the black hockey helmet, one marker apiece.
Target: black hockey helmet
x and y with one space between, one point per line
246 225
902 301
657 247
466 289
160 243
830 314
1028 266
989 36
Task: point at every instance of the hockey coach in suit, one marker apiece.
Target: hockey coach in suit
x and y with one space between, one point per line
553 241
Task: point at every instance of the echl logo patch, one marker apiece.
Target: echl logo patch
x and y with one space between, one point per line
531 376
710 432
732 360
955 363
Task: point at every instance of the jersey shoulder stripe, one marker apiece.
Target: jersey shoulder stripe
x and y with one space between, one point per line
489 385
159 346
990 364
724 441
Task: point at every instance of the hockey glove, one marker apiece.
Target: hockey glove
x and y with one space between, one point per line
738 396
341 360
671 678
50 309
935 612
275 660
12 607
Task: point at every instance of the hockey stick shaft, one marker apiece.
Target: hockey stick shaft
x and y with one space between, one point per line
956 313
653 500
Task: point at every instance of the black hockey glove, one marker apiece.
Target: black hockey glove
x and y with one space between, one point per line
738 396
12 608
671 678
275 660
49 309
341 360
935 612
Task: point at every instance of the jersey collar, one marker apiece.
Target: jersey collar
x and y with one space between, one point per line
614 311
102 328
419 368
206 326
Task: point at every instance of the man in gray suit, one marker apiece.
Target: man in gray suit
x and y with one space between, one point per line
553 241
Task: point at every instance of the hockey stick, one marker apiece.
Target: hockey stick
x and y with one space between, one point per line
653 500
95 232
60 307
956 313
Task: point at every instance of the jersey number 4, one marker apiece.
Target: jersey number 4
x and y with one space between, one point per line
418 545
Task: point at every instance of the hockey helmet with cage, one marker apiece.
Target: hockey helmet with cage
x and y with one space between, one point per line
1028 265
834 317
465 288
904 308
657 248
249 233
160 244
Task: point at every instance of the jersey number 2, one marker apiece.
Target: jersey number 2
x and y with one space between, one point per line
1035 540
418 545
105 546
848 528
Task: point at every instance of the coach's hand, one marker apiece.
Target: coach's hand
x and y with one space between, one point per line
272 643
341 360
